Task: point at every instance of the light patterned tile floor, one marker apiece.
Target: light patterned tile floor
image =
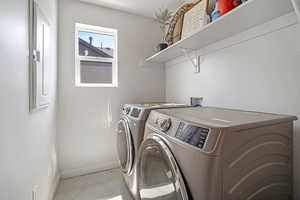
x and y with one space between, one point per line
106 185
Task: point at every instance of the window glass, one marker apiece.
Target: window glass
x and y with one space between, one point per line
96 44
95 72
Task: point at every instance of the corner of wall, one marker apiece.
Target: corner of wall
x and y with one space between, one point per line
54 186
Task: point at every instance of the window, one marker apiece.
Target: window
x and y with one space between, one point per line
95 56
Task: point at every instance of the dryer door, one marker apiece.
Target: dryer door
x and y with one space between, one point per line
125 146
159 176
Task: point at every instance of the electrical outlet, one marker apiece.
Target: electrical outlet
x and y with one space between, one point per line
34 192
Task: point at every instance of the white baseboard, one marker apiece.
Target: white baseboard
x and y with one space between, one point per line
69 173
54 187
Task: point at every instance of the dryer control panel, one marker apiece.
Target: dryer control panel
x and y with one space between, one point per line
195 135
192 135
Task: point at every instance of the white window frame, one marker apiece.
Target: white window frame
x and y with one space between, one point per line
101 30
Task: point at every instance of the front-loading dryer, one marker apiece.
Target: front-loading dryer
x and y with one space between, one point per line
215 154
130 135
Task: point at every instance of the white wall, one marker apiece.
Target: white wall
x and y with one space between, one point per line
260 74
27 140
88 116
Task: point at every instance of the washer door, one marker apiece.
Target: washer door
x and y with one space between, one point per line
125 146
159 176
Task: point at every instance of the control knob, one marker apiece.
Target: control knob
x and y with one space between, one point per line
164 124
126 110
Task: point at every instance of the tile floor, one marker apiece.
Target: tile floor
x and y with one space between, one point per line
106 185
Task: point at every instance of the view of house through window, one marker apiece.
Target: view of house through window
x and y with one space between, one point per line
96 52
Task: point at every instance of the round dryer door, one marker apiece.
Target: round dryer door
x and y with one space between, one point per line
159 176
125 146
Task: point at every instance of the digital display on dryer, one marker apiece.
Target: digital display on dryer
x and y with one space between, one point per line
192 135
135 112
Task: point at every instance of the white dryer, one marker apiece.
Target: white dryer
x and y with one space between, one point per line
215 154
130 135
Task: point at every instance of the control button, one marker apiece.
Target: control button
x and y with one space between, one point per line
204 130
164 124
135 112
126 110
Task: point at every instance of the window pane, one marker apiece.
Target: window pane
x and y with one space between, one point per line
96 72
96 44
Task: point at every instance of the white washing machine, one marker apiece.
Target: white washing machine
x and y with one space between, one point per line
215 154
130 135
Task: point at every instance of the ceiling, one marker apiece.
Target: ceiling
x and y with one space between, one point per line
145 8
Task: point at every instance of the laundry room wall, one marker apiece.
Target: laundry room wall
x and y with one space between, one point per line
27 140
256 70
88 116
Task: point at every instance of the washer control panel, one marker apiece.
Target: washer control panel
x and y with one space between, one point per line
126 110
192 135
135 112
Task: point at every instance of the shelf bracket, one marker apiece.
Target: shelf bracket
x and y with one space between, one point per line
296 5
194 59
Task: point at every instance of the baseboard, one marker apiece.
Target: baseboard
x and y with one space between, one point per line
69 173
54 187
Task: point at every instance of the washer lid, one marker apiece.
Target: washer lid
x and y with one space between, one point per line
159 176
